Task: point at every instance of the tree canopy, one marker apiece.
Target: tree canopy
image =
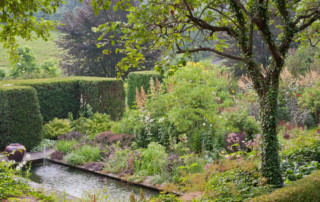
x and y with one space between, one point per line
17 20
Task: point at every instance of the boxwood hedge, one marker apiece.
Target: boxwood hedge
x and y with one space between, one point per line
138 79
20 117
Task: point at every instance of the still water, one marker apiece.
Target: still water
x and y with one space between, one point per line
78 183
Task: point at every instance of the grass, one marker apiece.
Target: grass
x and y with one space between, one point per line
43 50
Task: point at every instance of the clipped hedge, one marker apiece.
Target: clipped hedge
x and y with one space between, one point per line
138 79
20 117
306 189
59 96
104 95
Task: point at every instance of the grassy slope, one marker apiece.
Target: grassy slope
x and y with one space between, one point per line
43 50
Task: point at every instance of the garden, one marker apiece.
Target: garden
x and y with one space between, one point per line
195 133
223 103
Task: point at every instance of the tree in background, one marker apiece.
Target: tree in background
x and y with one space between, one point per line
168 25
83 56
26 67
17 19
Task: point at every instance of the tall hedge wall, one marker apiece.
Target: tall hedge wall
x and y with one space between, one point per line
20 117
59 96
305 189
104 96
138 79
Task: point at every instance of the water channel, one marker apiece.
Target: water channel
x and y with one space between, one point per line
76 183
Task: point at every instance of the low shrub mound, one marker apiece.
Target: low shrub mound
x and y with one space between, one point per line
110 138
20 117
138 79
306 189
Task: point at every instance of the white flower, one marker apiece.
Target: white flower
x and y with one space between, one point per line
18 168
161 120
28 156
24 162
204 124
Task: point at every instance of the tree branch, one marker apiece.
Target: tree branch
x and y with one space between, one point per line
211 50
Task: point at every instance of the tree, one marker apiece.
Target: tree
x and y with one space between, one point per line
168 25
83 56
17 20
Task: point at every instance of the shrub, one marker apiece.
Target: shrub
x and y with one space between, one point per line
306 189
96 124
65 146
117 162
57 155
2 74
90 153
310 100
153 159
20 118
109 138
56 127
241 122
59 96
75 159
45 144
73 135
138 79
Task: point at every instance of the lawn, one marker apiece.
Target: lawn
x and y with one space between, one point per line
43 50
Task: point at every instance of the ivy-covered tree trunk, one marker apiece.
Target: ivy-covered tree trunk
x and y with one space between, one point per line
270 145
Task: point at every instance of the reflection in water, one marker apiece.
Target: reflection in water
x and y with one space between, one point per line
75 182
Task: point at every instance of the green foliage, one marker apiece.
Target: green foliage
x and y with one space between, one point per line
242 122
2 74
59 96
118 162
138 79
56 127
103 95
20 118
90 153
26 66
49 69
190 106
13 186
44 145
153 159
96 124
9 184
65 146
20 14
235 185
304 148
75 159
305 189
310 100
295 171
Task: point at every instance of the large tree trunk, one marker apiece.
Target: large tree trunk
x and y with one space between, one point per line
270 145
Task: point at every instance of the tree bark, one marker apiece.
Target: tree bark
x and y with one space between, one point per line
270 165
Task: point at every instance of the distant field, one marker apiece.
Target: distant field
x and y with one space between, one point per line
43 50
